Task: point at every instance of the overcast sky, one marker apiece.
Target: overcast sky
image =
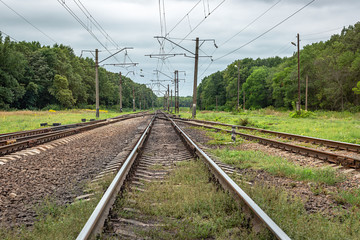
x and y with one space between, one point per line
134 23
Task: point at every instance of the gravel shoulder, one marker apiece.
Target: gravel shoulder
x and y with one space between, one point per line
60 173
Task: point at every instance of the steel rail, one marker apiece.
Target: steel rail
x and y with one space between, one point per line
20 134
97 218
229 184
329 143
32 140
323 155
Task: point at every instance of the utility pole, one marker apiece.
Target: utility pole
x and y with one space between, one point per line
238 86
299 96
167 99
171 101
97 82
176 91
195 78
120 91
306 92
134 100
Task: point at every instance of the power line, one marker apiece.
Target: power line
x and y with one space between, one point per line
72 13
27 21
254 39
186 15
200 23
318 33
88 15
1 32
251 22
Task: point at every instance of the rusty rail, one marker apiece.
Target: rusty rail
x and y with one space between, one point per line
346 161
26 139
97 218
328 143
231 186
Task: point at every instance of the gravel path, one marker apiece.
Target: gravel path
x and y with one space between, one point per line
60 173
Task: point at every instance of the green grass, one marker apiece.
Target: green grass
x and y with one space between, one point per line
277 166
290 214
193 207
338 126
27 120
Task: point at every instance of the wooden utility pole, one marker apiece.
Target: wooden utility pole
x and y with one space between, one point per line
195 78
167 99
306 92
176 91
238 87
97 82
171 102
299 96
120 91
134 109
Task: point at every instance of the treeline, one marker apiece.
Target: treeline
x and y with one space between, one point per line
37 77
332 68
183 102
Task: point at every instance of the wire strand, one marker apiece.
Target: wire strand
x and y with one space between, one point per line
21 16
270 29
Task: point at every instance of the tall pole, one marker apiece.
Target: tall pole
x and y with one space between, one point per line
120 91
171 101
238 86
97 82
134 100
195 78
176 91
167 99
299 96
306 93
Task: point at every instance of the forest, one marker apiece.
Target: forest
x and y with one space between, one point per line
34 77
332 68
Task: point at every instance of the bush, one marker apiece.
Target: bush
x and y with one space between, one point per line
244 122
302 114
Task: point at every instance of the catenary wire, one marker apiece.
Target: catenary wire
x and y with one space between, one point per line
270 29
21 16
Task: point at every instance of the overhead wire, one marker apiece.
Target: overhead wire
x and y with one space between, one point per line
26 20
1 32
95 22
74 15
252 22
262 34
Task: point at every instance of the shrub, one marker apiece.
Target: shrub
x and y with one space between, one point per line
302 114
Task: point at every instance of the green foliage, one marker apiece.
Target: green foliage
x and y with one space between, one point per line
29 79
332 69
357 88
301 114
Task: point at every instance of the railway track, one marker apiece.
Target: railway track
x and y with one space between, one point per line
157 152
16 141
344 160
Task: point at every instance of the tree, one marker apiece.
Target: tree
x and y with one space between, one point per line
256 90
60 90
